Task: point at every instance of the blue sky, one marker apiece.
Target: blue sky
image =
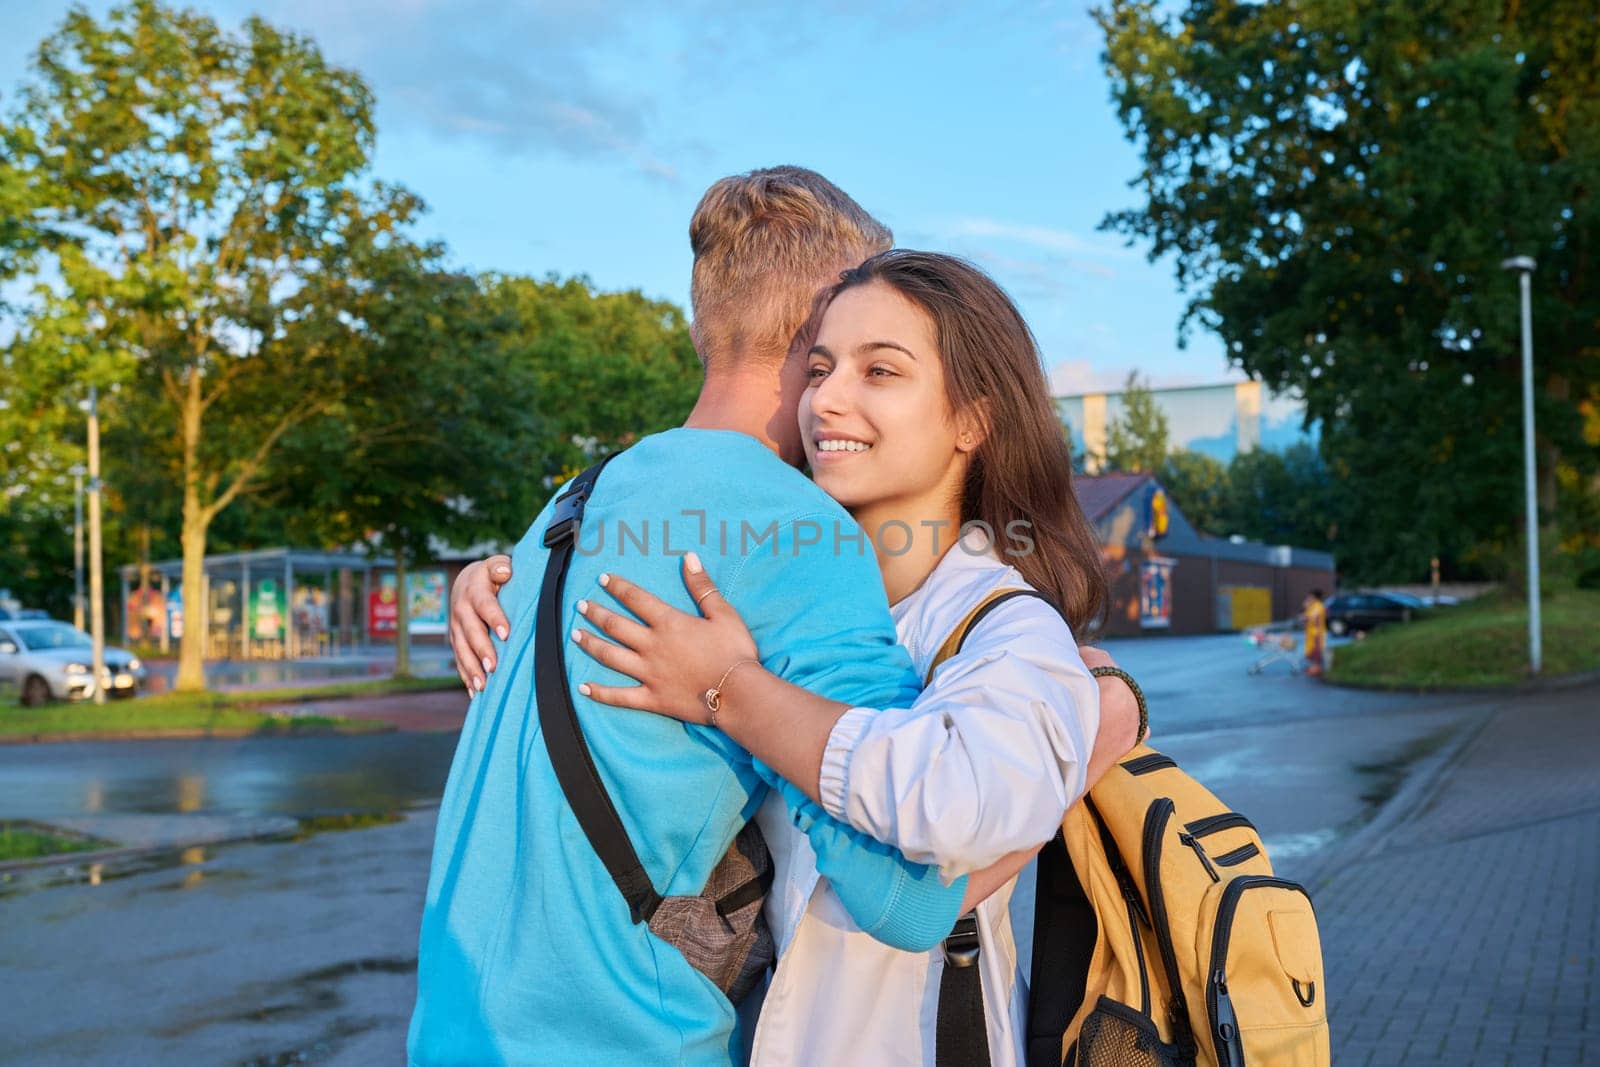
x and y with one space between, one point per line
576 138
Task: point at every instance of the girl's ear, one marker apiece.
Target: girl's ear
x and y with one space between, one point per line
972 426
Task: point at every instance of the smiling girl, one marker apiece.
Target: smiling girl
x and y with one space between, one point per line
926 413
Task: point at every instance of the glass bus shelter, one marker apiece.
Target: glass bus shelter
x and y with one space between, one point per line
273 603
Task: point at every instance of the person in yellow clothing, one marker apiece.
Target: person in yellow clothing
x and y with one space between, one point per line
1316 616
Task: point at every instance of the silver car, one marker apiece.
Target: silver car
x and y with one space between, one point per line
49 660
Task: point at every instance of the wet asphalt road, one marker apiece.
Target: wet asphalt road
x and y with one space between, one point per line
270 953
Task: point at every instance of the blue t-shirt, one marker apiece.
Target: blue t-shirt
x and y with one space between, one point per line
527 951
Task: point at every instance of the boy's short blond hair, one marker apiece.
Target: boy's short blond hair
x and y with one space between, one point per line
764 243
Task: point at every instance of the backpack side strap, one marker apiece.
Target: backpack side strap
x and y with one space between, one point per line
569 754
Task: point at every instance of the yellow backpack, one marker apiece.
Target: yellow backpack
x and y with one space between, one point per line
1161 935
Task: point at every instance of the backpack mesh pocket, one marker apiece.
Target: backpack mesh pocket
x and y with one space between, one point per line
1114 1035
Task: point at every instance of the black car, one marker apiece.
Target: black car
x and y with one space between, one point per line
1361 612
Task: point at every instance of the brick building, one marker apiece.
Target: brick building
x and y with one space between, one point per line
1168 577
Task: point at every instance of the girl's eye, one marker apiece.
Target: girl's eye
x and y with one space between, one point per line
880 372
817 372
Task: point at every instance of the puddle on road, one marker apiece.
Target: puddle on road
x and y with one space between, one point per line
1384 778
299 997
116 870
250 776
192 860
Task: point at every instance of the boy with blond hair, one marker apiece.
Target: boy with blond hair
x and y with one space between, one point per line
528 952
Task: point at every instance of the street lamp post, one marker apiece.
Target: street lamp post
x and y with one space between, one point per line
97 607
1524 266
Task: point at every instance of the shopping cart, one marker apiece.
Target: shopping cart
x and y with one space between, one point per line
1277 642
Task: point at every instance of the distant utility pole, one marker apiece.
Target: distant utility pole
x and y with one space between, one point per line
97 607
1524 266
77 546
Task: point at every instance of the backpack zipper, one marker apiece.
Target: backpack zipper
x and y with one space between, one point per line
1213 823
1229 1044
1155 825
1224 1025
1238 855
1131 898
1205 860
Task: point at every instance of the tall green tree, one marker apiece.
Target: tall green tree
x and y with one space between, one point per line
184 185
608 367
1198 484
1337 185
1281 498
1137 439
430 446
476 397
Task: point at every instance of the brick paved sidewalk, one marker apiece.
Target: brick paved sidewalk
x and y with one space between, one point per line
1469 931
427 711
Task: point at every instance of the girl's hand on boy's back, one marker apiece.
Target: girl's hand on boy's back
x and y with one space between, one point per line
474 612
675 657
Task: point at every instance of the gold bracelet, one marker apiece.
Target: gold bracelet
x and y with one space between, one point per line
713 696
1138 696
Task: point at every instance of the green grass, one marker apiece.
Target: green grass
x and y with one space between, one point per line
1483 643
236 712
352 820
231 711
22 841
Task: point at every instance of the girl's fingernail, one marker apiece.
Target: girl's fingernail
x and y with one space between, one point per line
488 665
503 630
479 683
577 635
692 561
605 580
583 607
584 688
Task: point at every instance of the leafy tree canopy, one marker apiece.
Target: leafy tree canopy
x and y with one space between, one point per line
179 188
1337 185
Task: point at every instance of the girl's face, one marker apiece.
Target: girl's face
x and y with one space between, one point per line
875 419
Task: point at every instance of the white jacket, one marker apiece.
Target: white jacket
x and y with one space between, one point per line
985 763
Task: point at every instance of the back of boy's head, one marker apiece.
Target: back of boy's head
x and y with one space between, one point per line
764 243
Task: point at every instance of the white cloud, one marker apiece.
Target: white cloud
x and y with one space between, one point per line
1072 376
523 78
1043 237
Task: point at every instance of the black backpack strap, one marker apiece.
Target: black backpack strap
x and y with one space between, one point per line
961 1038
1064 933
983 612
563 738
962 1032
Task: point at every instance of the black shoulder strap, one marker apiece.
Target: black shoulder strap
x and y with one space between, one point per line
983 612
1064 934
961 1033
563 739
1065 930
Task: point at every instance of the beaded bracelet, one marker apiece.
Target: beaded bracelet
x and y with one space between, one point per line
1138 695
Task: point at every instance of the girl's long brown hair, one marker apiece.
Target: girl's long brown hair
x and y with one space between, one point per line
1022 470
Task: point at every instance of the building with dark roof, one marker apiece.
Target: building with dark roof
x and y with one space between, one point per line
1166 576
